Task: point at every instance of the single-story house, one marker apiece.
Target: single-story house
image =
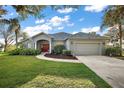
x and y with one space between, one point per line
79 43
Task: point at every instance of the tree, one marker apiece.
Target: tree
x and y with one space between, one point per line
23 36
2 11
23 12
114 16
15 27
7 35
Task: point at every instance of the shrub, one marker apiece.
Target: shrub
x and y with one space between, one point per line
10 48
58 49
15 52
66 52
22 51
112 51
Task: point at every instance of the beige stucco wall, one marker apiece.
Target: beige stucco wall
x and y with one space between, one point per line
68 44
58 42
28 43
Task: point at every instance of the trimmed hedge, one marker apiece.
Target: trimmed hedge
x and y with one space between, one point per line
112 51
58 49
22 51
66 52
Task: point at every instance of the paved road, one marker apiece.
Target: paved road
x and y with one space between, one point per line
110 69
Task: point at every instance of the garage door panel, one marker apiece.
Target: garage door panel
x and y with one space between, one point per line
86 49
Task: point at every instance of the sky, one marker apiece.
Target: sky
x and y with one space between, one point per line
84 19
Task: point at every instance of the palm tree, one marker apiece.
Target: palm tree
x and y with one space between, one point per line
23 12
114 16
15 27
2 11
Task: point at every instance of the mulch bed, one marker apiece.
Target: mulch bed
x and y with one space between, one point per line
60 56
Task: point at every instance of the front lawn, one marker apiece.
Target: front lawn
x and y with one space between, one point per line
3 54
28 71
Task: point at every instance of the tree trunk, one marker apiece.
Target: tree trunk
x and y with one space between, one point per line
120 35
16 39
5 46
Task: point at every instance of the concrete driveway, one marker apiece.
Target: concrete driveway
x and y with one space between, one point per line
109 69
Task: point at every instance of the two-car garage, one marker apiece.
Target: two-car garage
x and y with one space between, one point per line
86 47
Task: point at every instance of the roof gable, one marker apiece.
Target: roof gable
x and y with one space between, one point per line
60 36
42 33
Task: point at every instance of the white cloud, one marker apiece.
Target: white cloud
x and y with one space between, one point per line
105 31
57 21
81 19
74 32
39 21
91 29
94 8
60 28
66 10
37 29
70 24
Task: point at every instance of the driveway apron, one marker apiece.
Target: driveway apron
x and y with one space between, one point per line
108 68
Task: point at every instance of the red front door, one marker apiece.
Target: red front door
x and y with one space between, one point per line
45 47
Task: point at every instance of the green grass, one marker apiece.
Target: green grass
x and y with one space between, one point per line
3 54
28 71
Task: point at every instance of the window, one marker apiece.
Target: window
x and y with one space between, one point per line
29 45
34 45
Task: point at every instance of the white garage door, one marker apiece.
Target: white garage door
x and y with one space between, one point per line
86 49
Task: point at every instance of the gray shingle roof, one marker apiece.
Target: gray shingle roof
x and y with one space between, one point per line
60 36
82 35
64 36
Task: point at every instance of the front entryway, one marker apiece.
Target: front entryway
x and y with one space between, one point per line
43 45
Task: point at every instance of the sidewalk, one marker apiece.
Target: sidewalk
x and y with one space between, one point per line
55 59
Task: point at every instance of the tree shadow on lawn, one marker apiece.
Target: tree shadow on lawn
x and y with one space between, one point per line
73 71
16 73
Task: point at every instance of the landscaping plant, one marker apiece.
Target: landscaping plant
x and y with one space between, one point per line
58 49
22 51
112 51
66 52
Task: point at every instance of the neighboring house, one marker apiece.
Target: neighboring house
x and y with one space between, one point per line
79 43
